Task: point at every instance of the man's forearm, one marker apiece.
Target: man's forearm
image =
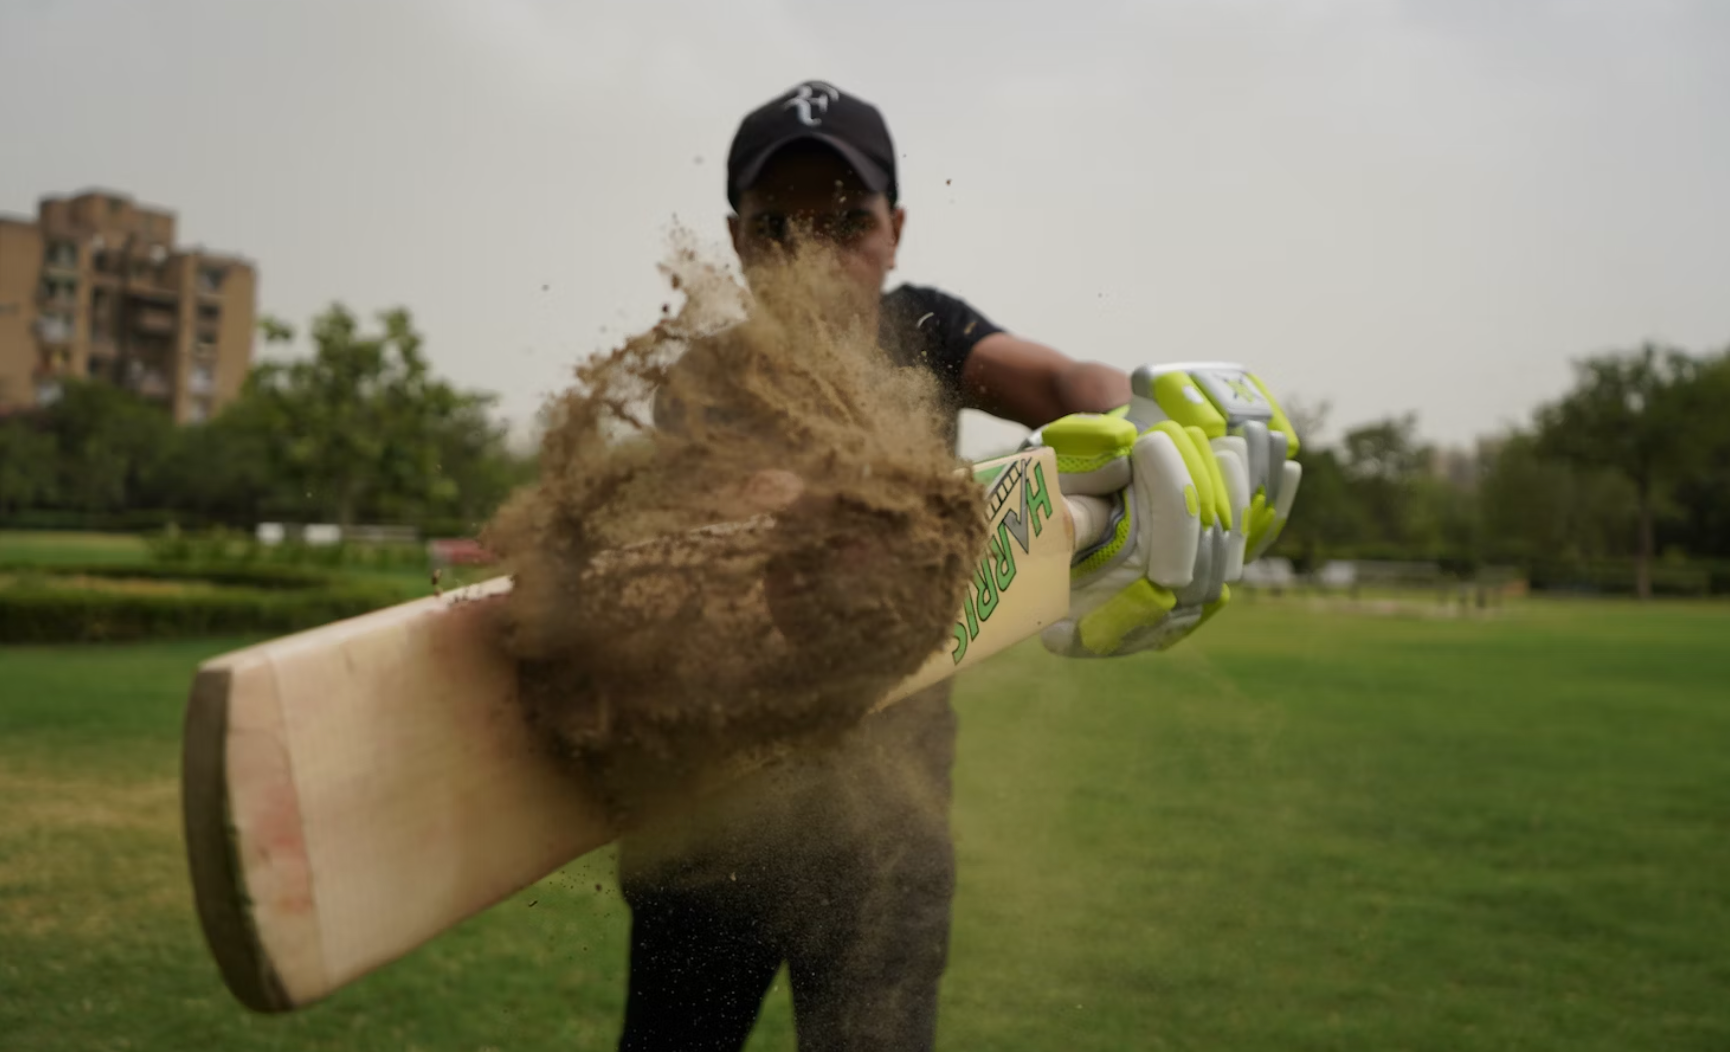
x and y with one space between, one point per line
1091 387
1033 384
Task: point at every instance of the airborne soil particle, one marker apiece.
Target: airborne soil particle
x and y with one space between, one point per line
665 620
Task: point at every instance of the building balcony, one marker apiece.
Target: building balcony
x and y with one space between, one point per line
54 329
157 322
152 383
61 255
152 290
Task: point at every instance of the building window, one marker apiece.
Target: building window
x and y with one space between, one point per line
54 328
199 411
203 378
210 279
63 254
56 289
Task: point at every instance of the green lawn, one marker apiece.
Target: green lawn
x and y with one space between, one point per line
62 548
53 547
1303 830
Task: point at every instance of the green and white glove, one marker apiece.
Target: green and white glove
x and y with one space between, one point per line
1158 571
1248 431
1199 467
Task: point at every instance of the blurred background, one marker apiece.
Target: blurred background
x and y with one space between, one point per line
284 289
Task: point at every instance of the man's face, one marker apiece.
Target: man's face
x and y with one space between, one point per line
807 197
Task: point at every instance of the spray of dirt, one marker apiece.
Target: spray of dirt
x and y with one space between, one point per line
671 610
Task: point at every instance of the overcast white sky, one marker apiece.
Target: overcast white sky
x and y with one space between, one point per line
1392 206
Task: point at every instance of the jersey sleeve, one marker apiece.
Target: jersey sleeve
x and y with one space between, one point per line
945 329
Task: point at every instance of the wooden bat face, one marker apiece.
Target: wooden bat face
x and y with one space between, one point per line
352 791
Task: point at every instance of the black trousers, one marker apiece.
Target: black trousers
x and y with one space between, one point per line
839 865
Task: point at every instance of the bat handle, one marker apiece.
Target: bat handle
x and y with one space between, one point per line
1093 518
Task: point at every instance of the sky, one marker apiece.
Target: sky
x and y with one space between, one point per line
1384 207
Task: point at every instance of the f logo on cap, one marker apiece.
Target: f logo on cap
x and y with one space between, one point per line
811 98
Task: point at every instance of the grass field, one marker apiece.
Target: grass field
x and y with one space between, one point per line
1307 830
62 548
58 548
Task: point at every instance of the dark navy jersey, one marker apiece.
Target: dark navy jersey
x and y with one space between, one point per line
923 326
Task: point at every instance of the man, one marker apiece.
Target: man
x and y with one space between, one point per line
840 865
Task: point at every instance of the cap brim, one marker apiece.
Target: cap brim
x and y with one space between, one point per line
869 172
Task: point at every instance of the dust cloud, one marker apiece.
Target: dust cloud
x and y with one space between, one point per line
748 526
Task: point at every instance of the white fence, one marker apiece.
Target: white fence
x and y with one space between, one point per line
321 534
1352 576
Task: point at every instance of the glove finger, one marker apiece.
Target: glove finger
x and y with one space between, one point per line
1232 453
1195 460
1163 634
1280 421
1105 629
1269 521
1275 465
1293 476
1213 564
1167 507
1206 555
1215 480
1222 543
1255 440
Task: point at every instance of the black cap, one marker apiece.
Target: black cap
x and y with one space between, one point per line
815 111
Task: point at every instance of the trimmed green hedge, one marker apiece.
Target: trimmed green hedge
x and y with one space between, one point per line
232 549
263 599
266 576
136 521
1616 577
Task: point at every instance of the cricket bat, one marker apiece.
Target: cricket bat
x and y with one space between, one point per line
352 791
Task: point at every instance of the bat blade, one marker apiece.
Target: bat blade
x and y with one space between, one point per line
352 791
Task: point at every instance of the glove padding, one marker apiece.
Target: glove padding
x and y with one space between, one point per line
1201 471
1161 567
1247 429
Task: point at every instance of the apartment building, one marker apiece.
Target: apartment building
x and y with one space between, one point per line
96 287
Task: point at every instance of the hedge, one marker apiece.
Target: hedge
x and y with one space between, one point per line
1616 577
232 549
266 576
141 520
270 600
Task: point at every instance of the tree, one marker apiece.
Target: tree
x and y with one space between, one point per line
224 470
363 427
1534 507
28 465
110 445
1382 463
1629 413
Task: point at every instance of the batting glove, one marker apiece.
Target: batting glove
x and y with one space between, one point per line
1248 432
1159 569
1199 467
